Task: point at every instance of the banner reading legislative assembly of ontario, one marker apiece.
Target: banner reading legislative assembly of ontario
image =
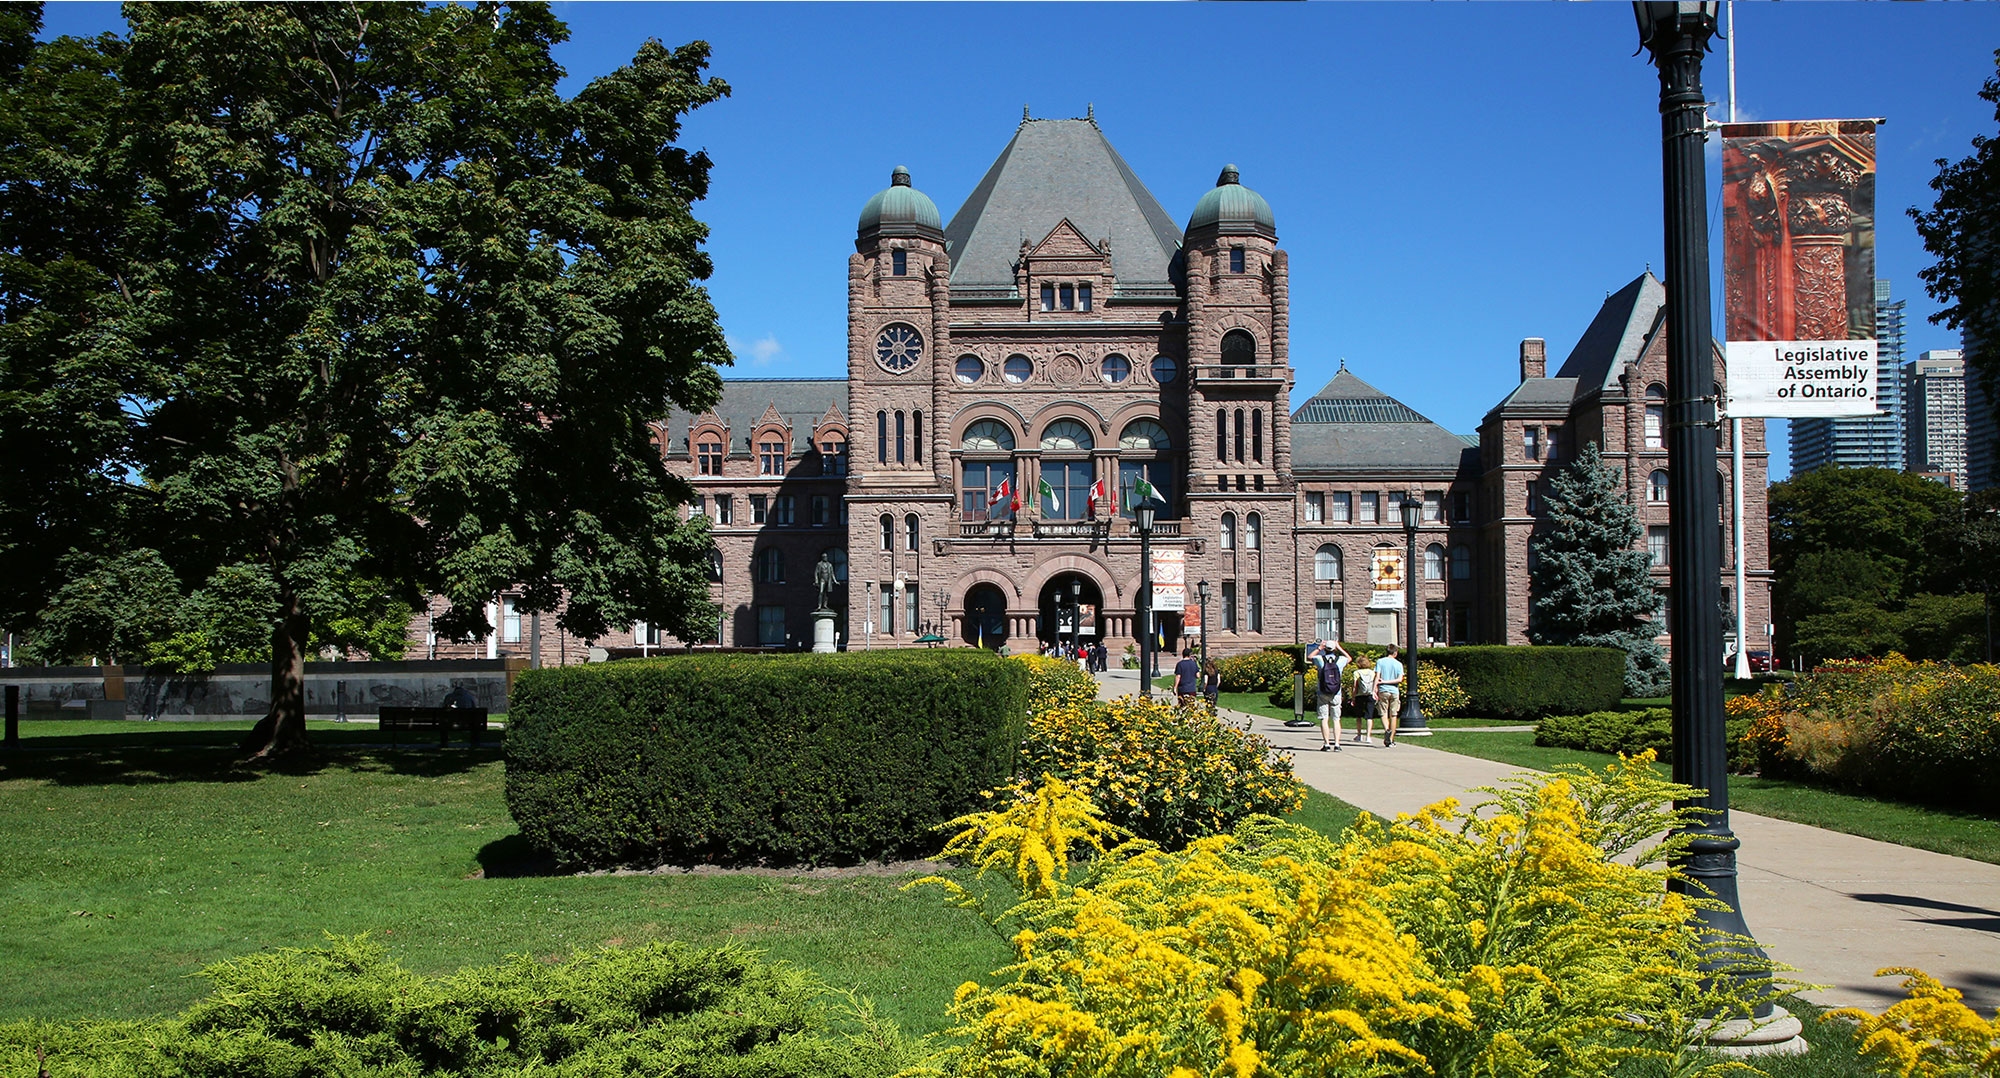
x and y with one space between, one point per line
1798 267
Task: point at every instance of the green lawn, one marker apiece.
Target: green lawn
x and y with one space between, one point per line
1943 831
135 855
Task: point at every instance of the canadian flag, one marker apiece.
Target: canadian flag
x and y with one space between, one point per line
1005 495
1102 496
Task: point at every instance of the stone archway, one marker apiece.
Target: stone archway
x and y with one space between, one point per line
985 621
1069 609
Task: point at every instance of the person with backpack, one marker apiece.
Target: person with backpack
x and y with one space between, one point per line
1332 663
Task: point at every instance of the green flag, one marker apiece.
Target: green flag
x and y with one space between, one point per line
1142 490
1049 492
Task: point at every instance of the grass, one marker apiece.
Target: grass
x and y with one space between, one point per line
136 855
1960 834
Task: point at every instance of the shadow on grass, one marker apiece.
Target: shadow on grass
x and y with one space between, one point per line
205 756
514 858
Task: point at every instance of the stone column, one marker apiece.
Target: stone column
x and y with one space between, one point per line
1818 211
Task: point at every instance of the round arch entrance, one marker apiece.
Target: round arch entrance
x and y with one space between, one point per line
985 622
1069 609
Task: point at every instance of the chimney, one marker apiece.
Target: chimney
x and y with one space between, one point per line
1534 358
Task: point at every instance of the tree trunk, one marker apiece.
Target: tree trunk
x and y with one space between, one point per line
282 732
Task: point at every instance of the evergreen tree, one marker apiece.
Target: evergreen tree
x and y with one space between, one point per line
1592 585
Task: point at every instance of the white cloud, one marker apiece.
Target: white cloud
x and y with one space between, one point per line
761 352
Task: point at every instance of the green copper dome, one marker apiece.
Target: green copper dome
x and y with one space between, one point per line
1232 206
901 210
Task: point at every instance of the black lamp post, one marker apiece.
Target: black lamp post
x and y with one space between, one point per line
1410 720
1142 514
1677 34
1076 612
1201 596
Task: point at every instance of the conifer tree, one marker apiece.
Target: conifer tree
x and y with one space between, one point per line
1591 581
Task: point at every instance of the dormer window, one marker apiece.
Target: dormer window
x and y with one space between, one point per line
1048 297
1083 297
1236 260
708 457
899 262
1066 297
771 458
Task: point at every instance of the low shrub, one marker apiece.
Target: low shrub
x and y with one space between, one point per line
346 1009
1169 773
1632 732
1924 731
1259 671
1455 942
746 758
1528 682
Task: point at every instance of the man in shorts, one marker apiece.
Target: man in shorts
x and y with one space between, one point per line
1389 694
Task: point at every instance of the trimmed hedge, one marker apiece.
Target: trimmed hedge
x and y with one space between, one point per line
1633 732
345 1009
1521 682
758 758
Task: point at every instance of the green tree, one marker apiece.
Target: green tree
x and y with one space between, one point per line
1846 536
1592 585
1959 231
381 313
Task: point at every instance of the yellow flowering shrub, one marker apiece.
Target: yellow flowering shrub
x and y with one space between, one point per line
1931 1034
1496 942
1166 772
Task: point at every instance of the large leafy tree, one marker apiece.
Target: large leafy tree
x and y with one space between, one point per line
1962 231
377 312
1592 582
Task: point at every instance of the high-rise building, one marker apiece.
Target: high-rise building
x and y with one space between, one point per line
1982 426
1863 441
1935 405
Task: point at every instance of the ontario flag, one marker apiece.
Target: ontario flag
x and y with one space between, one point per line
1103 499
1142 490
1005 496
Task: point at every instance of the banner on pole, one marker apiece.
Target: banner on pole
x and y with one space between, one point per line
1388 576
1170 579
1798 268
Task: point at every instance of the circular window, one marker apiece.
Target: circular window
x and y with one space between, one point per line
1017 369
970 369
1165 369
1116 369
899 347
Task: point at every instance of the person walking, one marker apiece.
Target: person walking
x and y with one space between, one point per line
1364 700
1211 683
1332 668
1187 676
1389 694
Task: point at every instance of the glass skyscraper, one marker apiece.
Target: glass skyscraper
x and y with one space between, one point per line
1863 441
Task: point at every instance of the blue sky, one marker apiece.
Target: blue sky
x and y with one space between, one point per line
1448 178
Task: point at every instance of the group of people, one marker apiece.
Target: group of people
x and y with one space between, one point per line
1377 689
1193 679
1093 658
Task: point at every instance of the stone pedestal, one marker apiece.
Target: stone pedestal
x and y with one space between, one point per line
824 641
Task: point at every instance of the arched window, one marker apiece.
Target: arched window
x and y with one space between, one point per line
1257 435
1326 563
1239 349
1067 436
1143 446
714 565
881 437
1461 562
1656 486
917 436
1434 562
988 436
1239 435
910 532
1656 416
1144 435
1253 532
901 440
1228 538
1221 435
888 532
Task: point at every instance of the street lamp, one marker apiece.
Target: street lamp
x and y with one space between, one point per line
942 596
1677 34
1201 596
1410 720
1142 514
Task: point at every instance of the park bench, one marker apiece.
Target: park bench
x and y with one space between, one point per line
442 719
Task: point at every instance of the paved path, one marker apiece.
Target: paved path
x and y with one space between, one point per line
1834 906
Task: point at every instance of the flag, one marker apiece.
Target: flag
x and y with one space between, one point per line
1004 493
1161 634
1049 492
1141 490
1102 495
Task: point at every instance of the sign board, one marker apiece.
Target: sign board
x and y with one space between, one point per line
1191 620
1170 579
1387 571
1798 268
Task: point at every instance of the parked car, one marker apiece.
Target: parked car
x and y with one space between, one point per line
1760 662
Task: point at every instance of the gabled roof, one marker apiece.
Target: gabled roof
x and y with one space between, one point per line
747 402
1051 170
1350 425
1617 335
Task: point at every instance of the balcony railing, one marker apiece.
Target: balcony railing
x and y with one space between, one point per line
1063 529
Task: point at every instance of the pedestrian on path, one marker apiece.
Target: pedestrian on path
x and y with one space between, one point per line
1389 694
1211 683
1332 664
1187 676
1364 700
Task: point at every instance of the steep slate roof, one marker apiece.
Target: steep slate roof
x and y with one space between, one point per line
1617 335
1351 426
801 401
1541 391
1050 170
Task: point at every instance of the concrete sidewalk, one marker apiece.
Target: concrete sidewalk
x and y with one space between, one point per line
1836 907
